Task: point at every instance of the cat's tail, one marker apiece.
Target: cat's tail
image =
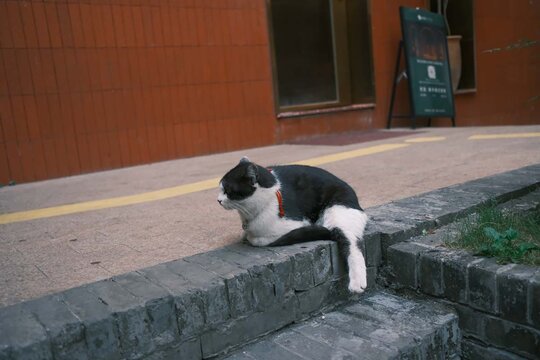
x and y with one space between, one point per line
347 229
304 234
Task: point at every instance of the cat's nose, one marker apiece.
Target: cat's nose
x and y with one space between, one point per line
219 201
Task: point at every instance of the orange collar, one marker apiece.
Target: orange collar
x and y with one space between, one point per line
279 198
280 203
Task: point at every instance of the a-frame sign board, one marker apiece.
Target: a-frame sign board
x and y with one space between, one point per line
427 67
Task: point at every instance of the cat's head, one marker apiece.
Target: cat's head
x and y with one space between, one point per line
241 182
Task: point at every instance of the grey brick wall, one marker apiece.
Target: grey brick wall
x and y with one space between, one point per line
498 305
501 307
194 307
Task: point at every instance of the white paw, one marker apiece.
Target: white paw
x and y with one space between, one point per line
357 280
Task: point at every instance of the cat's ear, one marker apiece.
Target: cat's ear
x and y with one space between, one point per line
251 173
244 160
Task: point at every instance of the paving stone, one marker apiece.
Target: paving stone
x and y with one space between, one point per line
131 318
190 349
322 264
520 339
189 304
372 272
534 301
513 184
245 356
435 205
378 326
512 292
237 280
308 348
307 267
396 338
208 286
462 200
271 270
504 186
482 281
265 284
339 267
471 322
523 204
99 324
263 293
454 268
315 299
244 329
373 249
283 277
212 261
403 263
264 350
159 306
475 351
302 272
494 331
434 324
397 222
405 211
23 337
393 233
63 328
430 272
369 349
248 256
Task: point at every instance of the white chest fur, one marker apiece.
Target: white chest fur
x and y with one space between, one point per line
262 223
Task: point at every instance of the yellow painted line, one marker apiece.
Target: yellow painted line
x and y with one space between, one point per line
172 191
109 203
505 136
426 139
349 154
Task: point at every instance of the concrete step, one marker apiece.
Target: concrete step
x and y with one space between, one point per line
381 325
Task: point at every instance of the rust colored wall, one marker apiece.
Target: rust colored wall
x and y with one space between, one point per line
508 80
313 125
101 84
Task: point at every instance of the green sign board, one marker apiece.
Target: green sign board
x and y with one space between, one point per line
426 53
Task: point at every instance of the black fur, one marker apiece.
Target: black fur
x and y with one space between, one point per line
308 190
304 234
239 182
343 245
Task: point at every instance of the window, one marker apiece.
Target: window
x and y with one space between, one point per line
321 53
460 17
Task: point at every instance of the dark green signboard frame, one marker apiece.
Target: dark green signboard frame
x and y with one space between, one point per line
427 67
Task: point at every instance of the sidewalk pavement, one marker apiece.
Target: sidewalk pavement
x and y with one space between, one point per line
121 220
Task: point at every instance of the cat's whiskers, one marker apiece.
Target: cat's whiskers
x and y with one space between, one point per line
242 209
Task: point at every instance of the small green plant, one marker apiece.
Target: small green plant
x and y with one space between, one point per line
505 236
504 247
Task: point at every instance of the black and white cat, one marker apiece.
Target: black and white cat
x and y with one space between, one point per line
289 204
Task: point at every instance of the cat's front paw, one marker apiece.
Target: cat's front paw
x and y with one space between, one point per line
260 241
357 280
